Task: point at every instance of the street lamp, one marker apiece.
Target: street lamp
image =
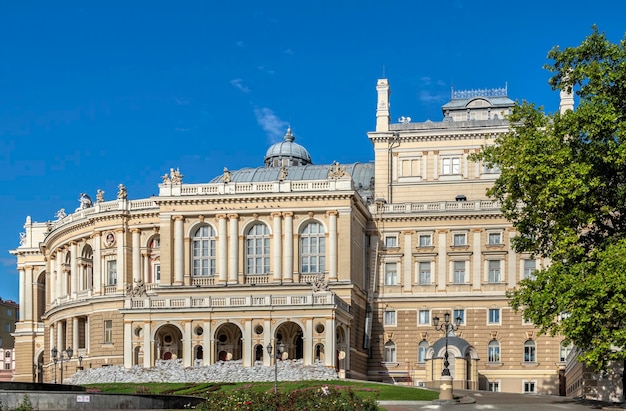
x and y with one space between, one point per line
447 327
54 352
80 362
281 349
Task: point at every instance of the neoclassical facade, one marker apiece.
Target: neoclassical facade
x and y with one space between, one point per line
343 264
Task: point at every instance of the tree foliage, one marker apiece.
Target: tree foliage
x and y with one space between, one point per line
563 187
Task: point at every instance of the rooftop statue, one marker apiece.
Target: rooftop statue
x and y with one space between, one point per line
122 194
85 202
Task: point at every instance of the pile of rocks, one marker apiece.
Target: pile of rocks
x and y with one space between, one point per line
223 371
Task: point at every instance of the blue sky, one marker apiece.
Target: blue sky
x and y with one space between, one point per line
95 93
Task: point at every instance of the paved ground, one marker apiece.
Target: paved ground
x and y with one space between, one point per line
501 401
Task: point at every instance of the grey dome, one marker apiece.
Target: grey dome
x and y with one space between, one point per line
287 153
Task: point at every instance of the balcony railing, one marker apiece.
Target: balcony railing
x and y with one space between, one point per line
436 207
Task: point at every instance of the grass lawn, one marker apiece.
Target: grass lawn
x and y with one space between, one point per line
362 389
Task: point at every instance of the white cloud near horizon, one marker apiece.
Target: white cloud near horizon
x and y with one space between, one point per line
238 84
270 123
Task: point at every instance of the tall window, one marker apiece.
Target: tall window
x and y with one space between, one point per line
258 249
155 259
422 349
530 351
565 350
493 351
108 331
529 268
390 352
111 272
459 314
424 317
493 275
391 241
494 316
391 273
203 244
424 273
390 318
458 276
312 248
451 165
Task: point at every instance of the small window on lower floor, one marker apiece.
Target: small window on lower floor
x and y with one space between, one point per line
530 387
494 386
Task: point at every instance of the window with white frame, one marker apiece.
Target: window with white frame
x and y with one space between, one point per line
108 331
390 352
530 351
564 352
156 270
313 248
494 386
450 165
111 272
529 269
258 249
391 241
493 351
459 313
203 251
426 240
389 318
424 277
494 316
494 169
493 274
458 272
494 238
530 387
391 273
459 239
422 349
424 317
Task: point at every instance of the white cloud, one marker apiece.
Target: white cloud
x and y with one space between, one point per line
238 84
427 96
270 123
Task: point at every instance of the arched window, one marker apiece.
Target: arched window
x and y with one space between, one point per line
312 248
390 352
203 252
530 351
493 351
258 249
422 348
86 268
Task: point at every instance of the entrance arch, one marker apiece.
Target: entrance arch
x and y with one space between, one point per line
291 335
462 357
168 343
228 342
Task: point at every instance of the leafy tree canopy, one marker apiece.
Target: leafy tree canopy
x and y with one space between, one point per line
563 187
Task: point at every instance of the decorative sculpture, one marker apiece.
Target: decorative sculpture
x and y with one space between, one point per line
85 202
283 173
320 284
99 196
60 214
122 194
22 238
139 290
226 177
336 171
175 176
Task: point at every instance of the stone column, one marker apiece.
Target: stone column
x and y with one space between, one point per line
60 336
222 241
128 344
330 344
73 268
121 261
51 280
59 273
441 262
147 269
87 339
476 268
277 259
22 291
187 341
179 250
247 357
288 252
97 264
233 255
408 262
75 333
136 254
332 244
148 346
308 342
510 266
269 338
208 350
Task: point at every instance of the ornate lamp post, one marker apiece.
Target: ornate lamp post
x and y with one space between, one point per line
80 362
54 352
281 349
446 380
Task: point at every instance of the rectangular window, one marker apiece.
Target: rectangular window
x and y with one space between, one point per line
391 242
451 165
459 314
424 317
458 276
495 238
494 316
494 386
9 312
7 327
111 272
108 331
424 273
529 268
493 275
391 274
529 386
494 169
157 273
425 240
459 239
7 366
390 318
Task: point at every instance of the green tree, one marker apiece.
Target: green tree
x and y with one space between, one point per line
563 187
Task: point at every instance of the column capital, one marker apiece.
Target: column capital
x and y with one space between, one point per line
233 216
220 216
276 214
178 218
135 230
331 213
287 214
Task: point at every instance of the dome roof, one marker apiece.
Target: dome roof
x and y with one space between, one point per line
287 153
